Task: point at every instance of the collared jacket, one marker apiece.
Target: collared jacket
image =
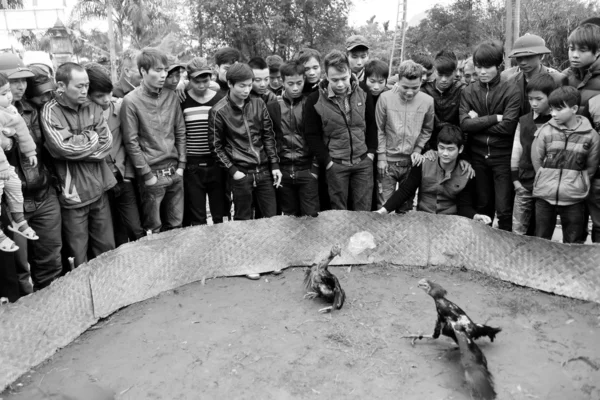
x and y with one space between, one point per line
35 181
118 159
330 135
267 97
242 138
153 130
446 107
79 140
564 161
440 192
515 76
288 124
485 135
403 127
588 83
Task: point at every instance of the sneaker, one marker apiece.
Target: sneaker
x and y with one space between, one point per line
254 277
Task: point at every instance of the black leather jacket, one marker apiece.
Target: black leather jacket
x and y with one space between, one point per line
35 181
288 123
242 138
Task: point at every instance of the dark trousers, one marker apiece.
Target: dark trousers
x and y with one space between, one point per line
43 256
165 194
299 193
125 213
9 279
571 220
259 183
494 189
593 205
359 176
88 230
199 182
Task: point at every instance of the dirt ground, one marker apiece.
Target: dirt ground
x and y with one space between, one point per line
239 339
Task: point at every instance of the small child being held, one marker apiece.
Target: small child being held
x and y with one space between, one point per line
538 90
565 154
13 125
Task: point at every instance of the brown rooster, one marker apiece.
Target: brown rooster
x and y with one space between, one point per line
319 282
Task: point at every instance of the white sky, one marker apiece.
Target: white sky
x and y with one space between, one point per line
385 10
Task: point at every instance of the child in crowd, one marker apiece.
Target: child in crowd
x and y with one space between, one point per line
565 155
311 59
12 125
260 83
274 62
404 125
538 90
489 114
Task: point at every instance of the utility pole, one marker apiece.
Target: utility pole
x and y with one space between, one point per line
111 41
400 19
513 25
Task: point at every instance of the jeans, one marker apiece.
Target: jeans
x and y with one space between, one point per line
299 193
9 278
125 214
396 175
360 176
88 230
165 194
200 182
523 211
43 256
571 219
494 189
260 184
593 204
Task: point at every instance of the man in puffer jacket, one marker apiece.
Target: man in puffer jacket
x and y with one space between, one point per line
565 154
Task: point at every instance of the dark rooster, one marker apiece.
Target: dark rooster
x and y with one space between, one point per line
473 362
448 311
319 282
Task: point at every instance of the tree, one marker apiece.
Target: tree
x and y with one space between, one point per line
10 4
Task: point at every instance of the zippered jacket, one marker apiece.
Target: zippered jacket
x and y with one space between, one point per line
485 135
403 127
242 138
588 84
153 130
564 161
446 106
79 140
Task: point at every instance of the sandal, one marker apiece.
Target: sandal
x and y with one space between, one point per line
6 244
24 230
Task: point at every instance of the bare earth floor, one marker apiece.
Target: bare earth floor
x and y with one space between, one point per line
233 338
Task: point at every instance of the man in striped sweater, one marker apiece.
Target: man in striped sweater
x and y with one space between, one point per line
203 177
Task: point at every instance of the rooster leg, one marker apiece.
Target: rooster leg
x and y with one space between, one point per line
416 337
311 295
326 310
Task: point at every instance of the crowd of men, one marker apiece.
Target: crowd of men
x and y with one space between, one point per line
90 165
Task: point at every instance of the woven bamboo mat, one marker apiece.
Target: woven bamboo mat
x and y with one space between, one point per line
35 327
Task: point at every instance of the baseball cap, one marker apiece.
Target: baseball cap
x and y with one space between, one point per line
593 20
173 63
355 41
198 66
529 45
40 83
13 67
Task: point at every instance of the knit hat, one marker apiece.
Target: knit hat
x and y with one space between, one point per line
356 40
40 83
13 67
529 45
198 66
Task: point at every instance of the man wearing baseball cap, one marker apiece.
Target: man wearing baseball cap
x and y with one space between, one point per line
202 177
40 87
42 209
357 50
529 51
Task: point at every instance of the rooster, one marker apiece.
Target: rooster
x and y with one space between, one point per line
319 282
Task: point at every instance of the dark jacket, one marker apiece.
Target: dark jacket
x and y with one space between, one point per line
35 181
122 88
153 130
439 192
485 135
79 140
267 97
330 135
287 116
446 107
521 168
515 75
588 84
118 159
242 138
